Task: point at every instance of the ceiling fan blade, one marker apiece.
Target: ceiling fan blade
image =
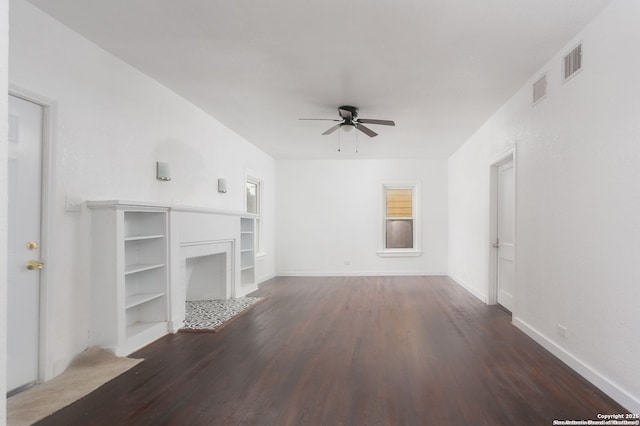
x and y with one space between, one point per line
372 121
367 131
324 119
345 113
333 129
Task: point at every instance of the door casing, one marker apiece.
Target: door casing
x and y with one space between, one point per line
45 355
508 155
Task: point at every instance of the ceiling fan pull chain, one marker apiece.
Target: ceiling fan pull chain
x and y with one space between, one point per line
356 142
339 141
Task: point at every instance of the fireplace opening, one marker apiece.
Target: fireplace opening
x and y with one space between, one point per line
206 277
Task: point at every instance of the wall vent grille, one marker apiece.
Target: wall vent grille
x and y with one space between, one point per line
540 89
573 62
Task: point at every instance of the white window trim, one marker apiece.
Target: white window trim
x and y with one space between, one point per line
417 226
259 233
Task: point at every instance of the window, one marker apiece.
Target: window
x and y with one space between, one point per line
399 220
254 199
400 228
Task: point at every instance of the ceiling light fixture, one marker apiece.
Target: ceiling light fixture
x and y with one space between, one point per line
349 119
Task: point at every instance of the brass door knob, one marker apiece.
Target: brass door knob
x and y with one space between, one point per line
34 264
32 245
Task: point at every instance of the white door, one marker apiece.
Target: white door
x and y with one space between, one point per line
23 285
505 232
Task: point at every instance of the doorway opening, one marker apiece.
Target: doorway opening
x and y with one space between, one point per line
29 173
502 231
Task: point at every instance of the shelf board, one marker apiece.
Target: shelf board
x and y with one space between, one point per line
140 298
246 250
132 269
246 268
246 232
139 328
143 237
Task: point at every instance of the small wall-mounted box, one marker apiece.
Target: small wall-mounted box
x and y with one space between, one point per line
222 186
162 171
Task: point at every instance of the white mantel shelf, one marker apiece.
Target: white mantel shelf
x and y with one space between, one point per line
103 204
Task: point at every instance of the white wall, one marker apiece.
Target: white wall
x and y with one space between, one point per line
112 123
578 204
4 47
328 212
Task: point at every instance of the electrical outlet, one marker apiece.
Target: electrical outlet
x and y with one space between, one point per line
562 331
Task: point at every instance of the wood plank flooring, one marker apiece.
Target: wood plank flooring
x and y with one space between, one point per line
348 351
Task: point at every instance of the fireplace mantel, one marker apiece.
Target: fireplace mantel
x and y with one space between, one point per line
194 226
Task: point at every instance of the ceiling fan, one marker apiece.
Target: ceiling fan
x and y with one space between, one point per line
349 117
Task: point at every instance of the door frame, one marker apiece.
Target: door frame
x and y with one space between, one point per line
45 326
508 155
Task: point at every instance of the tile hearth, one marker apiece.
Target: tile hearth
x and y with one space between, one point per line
211 314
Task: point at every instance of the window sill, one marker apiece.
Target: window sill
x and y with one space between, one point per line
399 253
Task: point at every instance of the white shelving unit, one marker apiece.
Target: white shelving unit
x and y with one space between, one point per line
129 279
247 250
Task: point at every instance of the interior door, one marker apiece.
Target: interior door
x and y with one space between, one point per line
505 232
24 263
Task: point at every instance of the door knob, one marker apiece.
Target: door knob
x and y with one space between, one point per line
34 264
32 245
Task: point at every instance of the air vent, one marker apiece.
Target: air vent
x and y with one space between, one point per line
540 89
573 62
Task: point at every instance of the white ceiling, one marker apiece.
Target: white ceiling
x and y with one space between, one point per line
439 68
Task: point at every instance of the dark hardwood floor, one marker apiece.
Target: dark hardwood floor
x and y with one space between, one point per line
348 351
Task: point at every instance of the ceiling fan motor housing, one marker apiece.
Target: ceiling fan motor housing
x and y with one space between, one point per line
351 109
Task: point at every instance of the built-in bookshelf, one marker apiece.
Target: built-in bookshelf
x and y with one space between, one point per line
129 276
247 250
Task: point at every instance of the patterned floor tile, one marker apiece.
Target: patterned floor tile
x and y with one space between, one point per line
211 314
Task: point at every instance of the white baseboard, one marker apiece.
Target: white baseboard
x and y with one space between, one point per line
359 274
175 325
246 289
470 289
618 394
265 278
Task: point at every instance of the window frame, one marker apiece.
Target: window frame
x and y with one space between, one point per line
259 243
383 251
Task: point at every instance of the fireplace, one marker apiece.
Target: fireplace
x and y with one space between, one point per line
206 270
